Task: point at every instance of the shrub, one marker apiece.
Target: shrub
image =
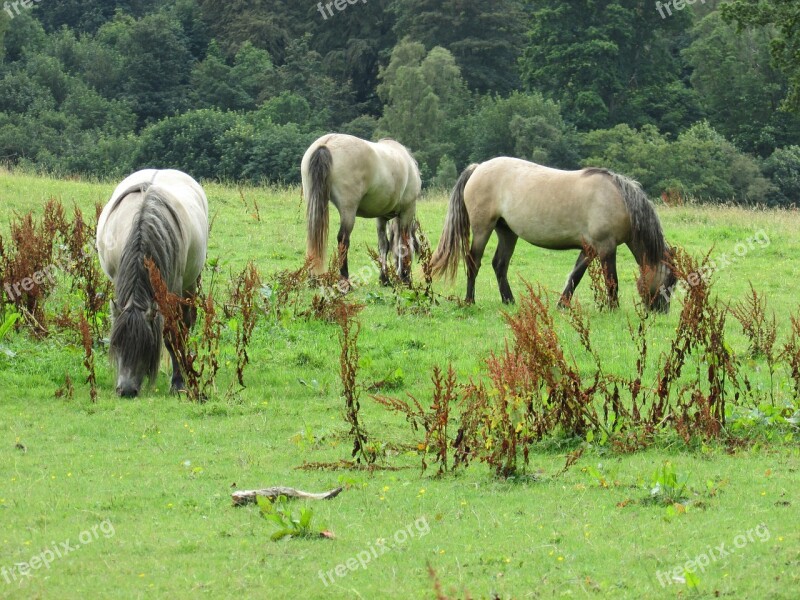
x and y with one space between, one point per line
783 169
191 142
700 163
257 150
524 125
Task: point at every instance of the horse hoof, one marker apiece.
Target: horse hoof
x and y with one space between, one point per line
177 388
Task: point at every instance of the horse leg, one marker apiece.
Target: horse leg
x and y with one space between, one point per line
609 263
479 241
177 384
506 241
405 247
383 248
574 279
343 238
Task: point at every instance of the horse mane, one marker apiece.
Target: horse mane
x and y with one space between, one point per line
155 234
647 234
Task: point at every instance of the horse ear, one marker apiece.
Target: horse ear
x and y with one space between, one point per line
114 308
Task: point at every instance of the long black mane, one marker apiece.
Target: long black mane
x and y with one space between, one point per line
136 335
648 236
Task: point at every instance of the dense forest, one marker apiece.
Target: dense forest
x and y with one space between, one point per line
699 102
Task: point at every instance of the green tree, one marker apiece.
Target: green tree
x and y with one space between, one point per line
484 37
157 64
606 63
268 24
304 74
214 86
783 18
783 169
4 20
700 163
89 15
425 104
24 35
21 94
739 91
259 151
191 142
353 45
526 126
93 59
254 73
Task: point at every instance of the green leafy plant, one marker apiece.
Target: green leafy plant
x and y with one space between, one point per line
289 524
604 476
8 323
668 487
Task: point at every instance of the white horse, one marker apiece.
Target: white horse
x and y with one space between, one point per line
363 179
161 215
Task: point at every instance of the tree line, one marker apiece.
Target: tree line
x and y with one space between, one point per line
702 103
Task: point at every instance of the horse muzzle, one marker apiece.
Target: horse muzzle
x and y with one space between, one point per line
127 391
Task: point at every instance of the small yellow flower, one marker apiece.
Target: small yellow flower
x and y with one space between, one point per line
386 488
780 538
69 474
422 491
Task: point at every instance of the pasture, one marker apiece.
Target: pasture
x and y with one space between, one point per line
143 486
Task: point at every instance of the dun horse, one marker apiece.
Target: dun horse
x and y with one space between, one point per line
560 210
161 215
362 179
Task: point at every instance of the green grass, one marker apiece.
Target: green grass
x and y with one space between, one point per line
160 469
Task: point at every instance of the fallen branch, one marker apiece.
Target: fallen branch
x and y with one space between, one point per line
242 497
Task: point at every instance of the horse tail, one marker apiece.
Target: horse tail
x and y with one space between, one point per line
454 242
647 236
319 195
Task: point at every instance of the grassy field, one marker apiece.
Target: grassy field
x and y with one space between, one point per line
135 494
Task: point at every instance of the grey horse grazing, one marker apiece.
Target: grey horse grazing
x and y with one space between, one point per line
362 179
161 215
559 210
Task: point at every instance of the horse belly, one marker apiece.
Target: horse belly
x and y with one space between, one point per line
548 229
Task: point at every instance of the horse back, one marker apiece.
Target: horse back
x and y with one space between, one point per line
186 213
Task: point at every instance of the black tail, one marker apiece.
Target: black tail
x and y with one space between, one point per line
454 242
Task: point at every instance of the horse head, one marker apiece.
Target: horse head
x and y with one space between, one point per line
657 284
135 346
